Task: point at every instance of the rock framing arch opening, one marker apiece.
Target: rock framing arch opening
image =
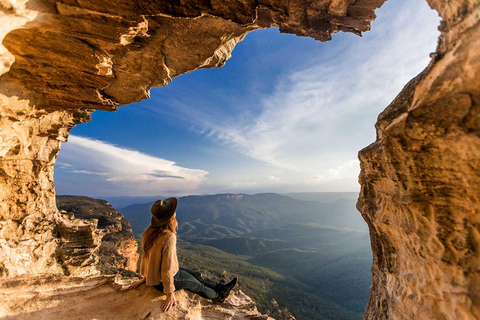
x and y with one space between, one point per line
419 180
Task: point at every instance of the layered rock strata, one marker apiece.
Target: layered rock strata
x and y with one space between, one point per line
421 184
420 195
109 244
29 142
101 297
102 55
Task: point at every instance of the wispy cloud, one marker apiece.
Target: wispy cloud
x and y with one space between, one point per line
89 172
335 173
124 171
271 177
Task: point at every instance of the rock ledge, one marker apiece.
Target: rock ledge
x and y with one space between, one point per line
102 297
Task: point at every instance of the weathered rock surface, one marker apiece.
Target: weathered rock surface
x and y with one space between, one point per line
420 180
110 244
421 184
29 142
120 49
101 297
64 59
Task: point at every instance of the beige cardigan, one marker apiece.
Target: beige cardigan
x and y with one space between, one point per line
161 262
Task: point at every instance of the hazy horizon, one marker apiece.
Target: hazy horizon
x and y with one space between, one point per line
209 194
125 201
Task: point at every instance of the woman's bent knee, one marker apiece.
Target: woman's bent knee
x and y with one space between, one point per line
195 273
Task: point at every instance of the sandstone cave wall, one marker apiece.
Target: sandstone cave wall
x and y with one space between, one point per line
61 60
421 184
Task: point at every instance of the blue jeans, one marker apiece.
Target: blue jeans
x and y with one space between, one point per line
193 281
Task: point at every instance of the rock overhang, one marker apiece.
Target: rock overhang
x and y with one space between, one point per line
101 55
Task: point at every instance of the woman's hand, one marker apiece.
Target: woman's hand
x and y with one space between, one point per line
169 302
136 284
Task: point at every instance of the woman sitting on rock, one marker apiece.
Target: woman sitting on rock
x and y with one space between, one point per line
159 266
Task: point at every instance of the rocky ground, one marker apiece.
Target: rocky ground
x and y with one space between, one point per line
102 297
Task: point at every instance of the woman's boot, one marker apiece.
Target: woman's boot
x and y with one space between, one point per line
223 290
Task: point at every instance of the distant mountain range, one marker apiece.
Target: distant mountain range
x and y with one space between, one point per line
320 249
308 251
326 278
122 202
333 263
325 197
220 215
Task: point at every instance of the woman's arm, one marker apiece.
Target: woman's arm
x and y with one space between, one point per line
168 257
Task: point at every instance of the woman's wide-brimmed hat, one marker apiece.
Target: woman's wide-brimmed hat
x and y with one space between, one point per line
162 211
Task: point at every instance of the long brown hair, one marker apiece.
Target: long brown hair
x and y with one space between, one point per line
151 234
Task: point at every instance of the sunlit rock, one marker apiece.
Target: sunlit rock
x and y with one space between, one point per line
109 244
421 184
420 180
107 297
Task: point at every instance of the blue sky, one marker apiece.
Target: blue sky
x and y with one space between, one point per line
285 114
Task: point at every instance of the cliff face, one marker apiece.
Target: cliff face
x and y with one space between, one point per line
109 244
61 60
421 184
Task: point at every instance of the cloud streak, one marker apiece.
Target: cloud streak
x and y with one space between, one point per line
123 171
